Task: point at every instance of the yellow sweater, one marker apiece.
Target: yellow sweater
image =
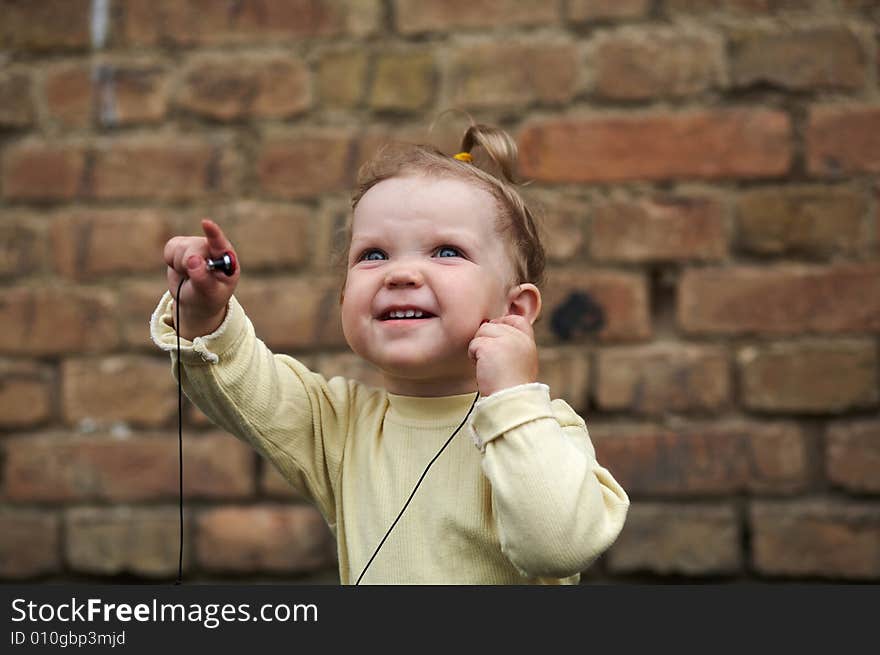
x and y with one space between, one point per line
516 498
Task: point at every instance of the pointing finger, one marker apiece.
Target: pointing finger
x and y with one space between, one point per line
217 241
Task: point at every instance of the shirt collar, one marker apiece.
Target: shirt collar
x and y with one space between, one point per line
438 410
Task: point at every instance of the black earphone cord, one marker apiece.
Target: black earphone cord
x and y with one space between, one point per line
180 452
179 428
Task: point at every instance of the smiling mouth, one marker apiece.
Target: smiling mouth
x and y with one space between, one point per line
405 319
406 315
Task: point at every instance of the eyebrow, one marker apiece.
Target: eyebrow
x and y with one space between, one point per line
444 235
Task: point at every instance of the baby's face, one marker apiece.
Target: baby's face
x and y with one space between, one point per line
430 246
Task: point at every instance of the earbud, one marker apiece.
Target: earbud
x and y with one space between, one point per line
225 263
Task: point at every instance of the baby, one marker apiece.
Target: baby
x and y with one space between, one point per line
441 291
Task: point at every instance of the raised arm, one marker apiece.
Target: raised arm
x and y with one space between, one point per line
291 415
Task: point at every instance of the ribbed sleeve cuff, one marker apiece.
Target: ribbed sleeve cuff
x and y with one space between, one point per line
208 348
507 409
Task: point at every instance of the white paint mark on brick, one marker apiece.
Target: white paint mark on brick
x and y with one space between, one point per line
105 93
100 23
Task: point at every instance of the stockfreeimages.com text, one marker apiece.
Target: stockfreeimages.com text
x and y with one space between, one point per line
210 615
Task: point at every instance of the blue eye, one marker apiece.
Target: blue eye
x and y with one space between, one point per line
372 255
448 251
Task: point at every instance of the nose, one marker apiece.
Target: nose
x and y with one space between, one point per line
403 275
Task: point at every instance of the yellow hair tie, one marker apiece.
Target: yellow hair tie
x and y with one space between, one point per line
464 156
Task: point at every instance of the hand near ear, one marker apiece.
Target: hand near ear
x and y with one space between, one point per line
505 354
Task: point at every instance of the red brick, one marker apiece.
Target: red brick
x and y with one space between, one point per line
622 299
230 87
659 62
824 539
137 301
413 16
843 139
99 242
163 168
668 228
304 165
563 219
810 221
116 540
37 170
29 544
131 91
50 320
818 58
44 24
742 7
290 314
216 465
17 109
852 455
65 468
275 485
403 81
781 459
207 22
364 18
69 97
330 240
264 539
374 138
481 76
123 388
663 378
657 146
110 92
859 5
781 300
566 370
832 376
596 10
197 418
691 540
269 236
705 459
342 78
23 249
25 394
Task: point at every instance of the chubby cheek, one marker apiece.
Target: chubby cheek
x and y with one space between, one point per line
467 313
353 313
347 327
462 331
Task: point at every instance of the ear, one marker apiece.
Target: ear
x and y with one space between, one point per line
524 300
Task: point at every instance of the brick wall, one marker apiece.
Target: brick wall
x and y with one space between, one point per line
708 172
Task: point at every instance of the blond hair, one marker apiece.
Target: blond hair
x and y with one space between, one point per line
514 217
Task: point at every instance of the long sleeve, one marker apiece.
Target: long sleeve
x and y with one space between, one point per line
555 508
294 417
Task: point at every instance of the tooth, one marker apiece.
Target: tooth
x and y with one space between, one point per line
418 313
410 313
